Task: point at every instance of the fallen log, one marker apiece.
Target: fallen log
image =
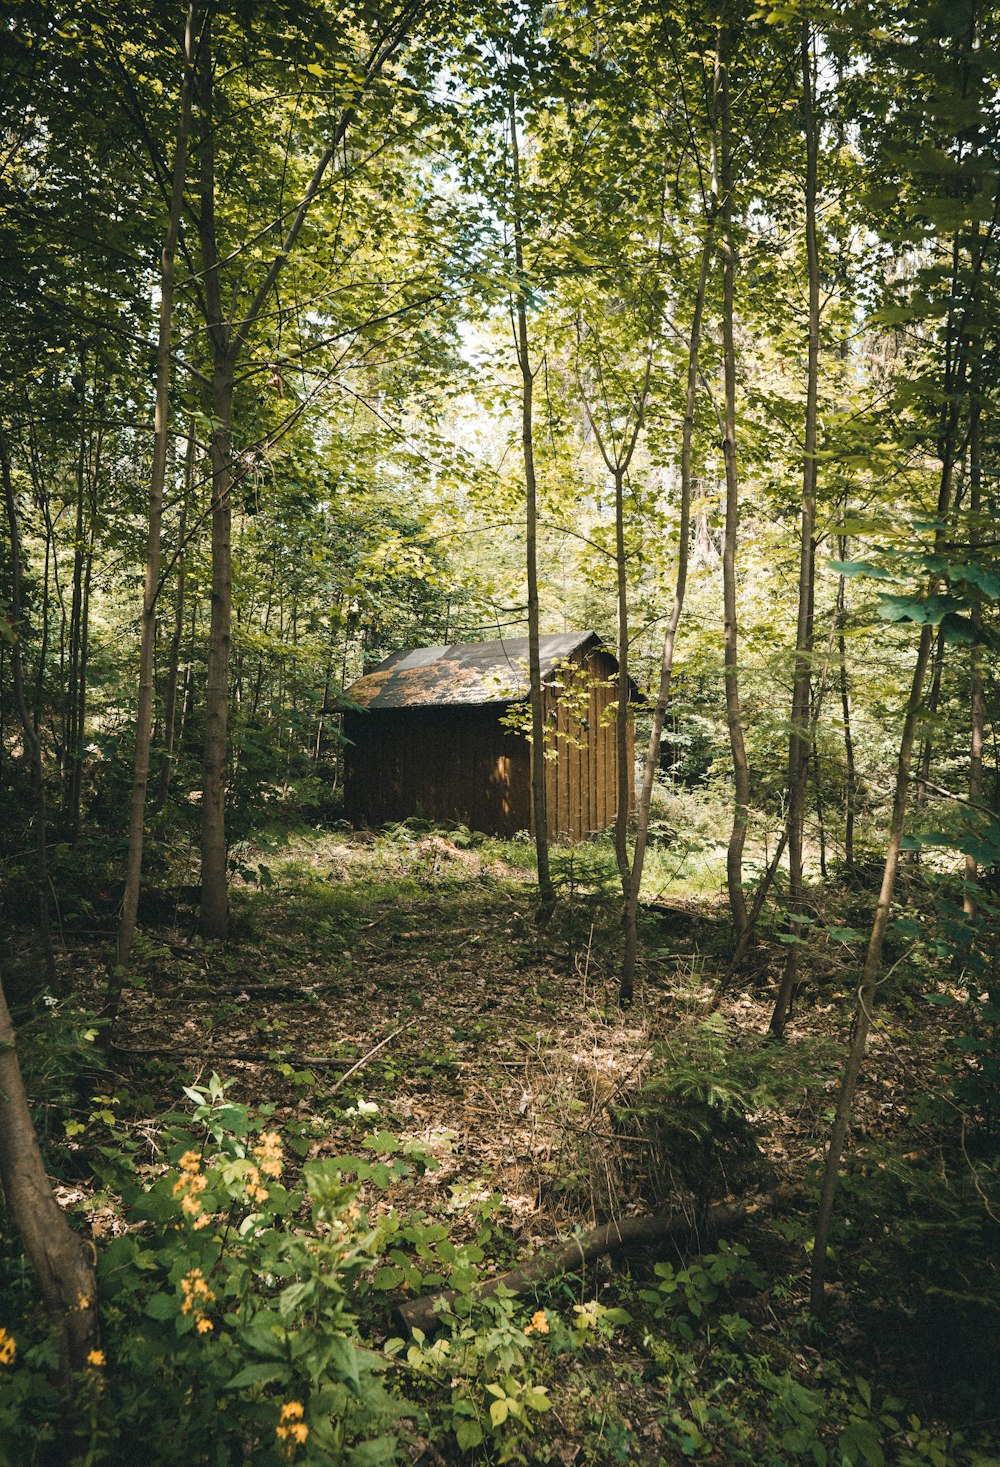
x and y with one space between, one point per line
627 1232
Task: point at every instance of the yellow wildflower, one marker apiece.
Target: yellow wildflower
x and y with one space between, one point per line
189 1185
539 1324
291 1428
269 1154
255 1192
96 1358
8 1347
197 1297
83 1301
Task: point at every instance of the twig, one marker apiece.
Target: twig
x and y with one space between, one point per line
360 1064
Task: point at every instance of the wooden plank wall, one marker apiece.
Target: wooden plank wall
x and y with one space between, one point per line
437 763
581 782
461 764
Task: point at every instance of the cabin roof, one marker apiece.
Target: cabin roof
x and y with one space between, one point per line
465 673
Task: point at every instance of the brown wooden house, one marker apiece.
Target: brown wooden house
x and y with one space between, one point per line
428 735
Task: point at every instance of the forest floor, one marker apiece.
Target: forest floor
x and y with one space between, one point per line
398 986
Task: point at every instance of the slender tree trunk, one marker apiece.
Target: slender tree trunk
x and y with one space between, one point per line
43 650
734 715
817 768
866 991
158 475
621 720
798 744
214 852
72 735
652 759
228 335
187 698
617 458
83 669
764 885
32 745
845 705
546 891
869 979
927 748
177 635
977 691
328 682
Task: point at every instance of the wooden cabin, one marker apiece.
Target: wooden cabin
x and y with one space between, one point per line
428 733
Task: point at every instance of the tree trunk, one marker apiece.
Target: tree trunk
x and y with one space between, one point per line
177 635
651 762
228 334
214 853
866 991
869 979
80 719
845 704
43 650
158 475
32 745
817 769
734 716
927 748
546 891
798 744
627 1232
977 692
62 1261
624 772
72 735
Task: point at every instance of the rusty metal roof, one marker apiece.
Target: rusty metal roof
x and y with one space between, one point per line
464 673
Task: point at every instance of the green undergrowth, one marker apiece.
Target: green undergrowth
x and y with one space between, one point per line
247 1303
256 1237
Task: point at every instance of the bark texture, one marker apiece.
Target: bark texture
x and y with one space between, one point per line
63 1262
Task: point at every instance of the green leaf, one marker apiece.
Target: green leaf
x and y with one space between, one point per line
342 1361
387 1278
260 1373
468 1434
959 631
162 1306
861 568
916 609
379 1452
